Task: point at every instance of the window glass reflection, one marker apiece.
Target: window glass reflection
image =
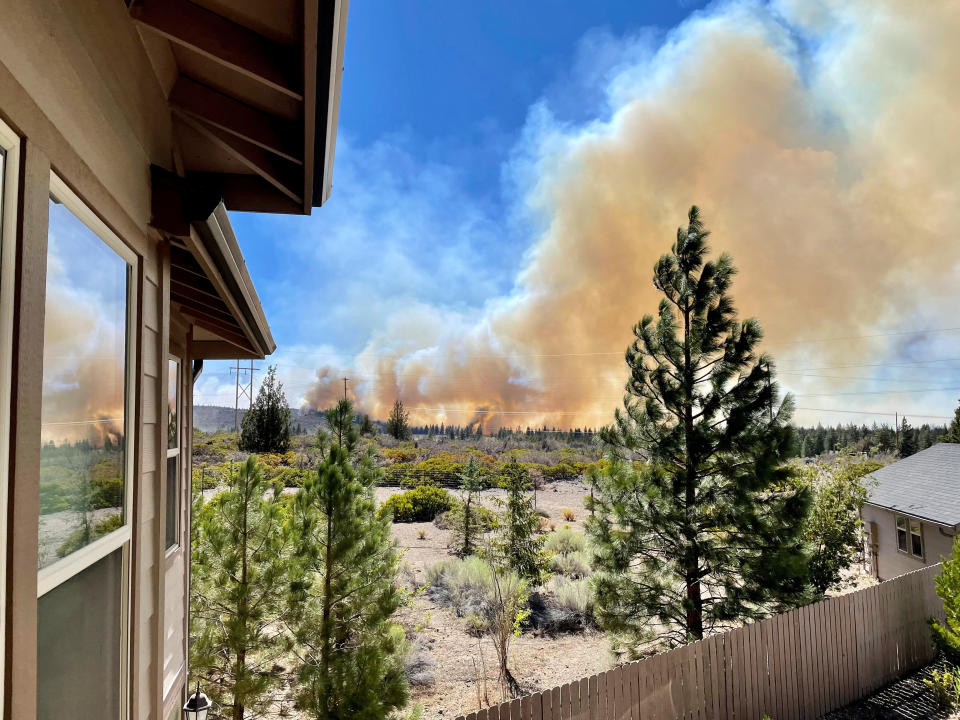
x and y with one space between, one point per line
84 366
173 403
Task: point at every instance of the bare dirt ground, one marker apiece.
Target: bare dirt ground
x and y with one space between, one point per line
463 667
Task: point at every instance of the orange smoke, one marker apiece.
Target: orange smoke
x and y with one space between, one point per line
829 170
83 366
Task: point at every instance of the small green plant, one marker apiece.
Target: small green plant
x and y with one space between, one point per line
421 504
945 686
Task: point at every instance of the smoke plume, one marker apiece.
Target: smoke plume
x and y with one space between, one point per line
819 139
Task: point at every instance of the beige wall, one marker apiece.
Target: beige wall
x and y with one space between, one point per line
77 86
892 562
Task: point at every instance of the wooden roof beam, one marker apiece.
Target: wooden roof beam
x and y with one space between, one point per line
189 290
218 350
222 40
214 312
261 162
230 334
273 134
248 192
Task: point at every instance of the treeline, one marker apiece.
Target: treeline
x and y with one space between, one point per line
465 432
874 439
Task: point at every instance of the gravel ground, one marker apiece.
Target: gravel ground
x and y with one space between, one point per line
908 698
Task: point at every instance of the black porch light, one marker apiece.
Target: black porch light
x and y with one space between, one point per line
197 706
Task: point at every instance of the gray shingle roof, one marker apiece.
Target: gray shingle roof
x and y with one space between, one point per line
925 485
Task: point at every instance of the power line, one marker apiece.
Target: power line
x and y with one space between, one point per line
873 412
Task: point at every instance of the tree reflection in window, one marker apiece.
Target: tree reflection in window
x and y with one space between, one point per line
82 472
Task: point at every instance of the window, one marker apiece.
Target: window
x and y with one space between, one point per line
902 533
9 164
909 536
916 539
86 470
173 453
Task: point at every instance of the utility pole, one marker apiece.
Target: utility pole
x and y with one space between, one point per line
896 432
242 390
345 388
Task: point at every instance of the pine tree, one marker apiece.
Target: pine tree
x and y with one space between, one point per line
946 635
366 426
350 653
398 424
908 439
239 566
466 525
953 432
266 425
520 545
694 526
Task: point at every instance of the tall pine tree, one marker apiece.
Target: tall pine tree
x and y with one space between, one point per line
345 595
398 423
239 566
908 439
693 526
266 425
953 432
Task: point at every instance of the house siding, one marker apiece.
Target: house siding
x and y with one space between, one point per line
891 561
78 87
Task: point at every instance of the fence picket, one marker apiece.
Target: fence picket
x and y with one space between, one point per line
632 671
830 651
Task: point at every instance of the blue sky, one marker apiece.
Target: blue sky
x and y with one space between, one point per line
435 94
507 173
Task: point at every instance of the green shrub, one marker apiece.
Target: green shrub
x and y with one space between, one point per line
946 635
107 492
468 586
575 596
81 537
421 504
486 519
573 565
55 489
565 541
945 686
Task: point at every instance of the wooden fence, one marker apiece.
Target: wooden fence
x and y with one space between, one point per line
793 666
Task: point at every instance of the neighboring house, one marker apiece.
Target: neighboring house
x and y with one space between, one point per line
913 511
127 130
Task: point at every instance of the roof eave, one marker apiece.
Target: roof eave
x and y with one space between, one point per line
331 36
220 245
907 513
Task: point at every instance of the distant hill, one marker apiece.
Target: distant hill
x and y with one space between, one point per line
210 418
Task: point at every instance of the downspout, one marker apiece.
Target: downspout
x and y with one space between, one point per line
196 369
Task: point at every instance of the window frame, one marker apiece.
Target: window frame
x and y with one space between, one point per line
176 452
10 186
121 539
897 519
912 527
